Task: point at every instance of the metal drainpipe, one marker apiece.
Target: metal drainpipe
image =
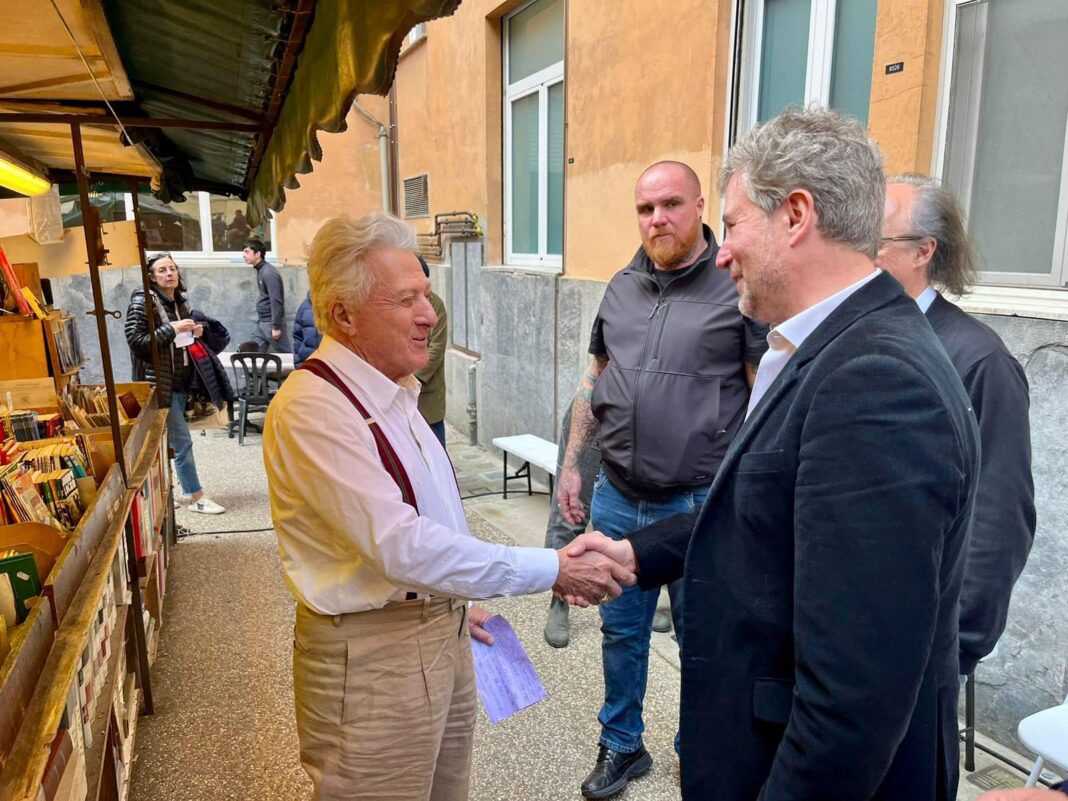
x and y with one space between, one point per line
472 406
383 152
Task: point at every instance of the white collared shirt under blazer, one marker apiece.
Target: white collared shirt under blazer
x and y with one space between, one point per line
348 541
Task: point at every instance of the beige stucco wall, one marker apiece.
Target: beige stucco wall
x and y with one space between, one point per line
449 116
904 105
346 182
640 87
14 217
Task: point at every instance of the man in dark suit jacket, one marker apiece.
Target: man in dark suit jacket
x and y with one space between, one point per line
823 575
925 245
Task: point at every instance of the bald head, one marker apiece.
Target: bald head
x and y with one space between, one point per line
668 201
673 169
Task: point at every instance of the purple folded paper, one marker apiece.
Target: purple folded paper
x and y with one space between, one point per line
507 681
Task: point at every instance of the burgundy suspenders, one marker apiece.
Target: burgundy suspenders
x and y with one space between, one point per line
389 457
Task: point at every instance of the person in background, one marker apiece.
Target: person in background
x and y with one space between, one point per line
671 363
306 336
270 333
925 245
558 532
174 325
823 576
432 377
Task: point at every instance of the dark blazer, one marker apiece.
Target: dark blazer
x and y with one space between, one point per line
1003 526
823 575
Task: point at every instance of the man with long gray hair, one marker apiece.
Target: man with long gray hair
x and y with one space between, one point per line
822 578
373 539
925 246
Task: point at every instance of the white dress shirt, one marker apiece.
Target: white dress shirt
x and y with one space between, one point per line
785 338
348 541
926 298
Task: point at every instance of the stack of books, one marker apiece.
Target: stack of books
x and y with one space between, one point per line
20 501
92 672
39 482
65 776
60 494
26 426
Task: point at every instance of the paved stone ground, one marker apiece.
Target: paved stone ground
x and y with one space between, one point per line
223 728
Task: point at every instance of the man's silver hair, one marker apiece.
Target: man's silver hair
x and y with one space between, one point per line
936 213
826 153
337 257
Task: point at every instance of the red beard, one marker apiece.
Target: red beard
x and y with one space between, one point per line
669 252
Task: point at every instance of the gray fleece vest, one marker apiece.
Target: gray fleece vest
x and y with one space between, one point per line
674 391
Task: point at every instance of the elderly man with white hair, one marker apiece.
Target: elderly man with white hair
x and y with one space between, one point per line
373 538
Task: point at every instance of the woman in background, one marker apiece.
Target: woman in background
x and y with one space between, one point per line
174 332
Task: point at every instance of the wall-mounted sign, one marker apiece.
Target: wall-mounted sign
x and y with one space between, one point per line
897 66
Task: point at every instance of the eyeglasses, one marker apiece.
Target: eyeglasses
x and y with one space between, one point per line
902 238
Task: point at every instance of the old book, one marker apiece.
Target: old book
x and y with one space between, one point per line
130 405
21 571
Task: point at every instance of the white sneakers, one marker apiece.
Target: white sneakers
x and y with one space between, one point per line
206 506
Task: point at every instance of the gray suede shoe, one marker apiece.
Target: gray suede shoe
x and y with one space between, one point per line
556 627
662 620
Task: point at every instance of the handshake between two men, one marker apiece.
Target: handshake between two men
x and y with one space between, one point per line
594 569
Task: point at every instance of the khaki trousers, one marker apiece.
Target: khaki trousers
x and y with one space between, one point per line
385 702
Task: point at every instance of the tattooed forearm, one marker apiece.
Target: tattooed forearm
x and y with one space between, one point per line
583 423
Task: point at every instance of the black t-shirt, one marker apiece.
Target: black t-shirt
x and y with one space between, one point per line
665 277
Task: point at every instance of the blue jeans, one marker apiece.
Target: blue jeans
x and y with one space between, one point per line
626 622
182 445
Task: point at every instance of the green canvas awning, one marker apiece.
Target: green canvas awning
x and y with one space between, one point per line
259 78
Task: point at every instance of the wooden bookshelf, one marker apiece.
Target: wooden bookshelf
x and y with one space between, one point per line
45 667
22 342
33 348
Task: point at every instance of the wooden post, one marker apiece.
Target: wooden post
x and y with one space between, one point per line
92 231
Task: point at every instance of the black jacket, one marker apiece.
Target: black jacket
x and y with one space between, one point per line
210 381
306 336
174 372
1003 527
680 348
823 575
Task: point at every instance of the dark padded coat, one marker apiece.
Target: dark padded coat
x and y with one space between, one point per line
139 338
210 381
306 336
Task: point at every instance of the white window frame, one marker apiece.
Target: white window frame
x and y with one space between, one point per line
820 60
1057 279
540 82
204 256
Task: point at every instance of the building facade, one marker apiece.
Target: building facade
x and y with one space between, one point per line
539 116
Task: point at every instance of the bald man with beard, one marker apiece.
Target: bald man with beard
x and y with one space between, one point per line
672 361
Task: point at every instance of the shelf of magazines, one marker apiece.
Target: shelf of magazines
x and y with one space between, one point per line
68 682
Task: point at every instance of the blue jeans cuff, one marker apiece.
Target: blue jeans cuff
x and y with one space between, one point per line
615 746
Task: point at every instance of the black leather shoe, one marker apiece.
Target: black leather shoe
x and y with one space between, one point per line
614 770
